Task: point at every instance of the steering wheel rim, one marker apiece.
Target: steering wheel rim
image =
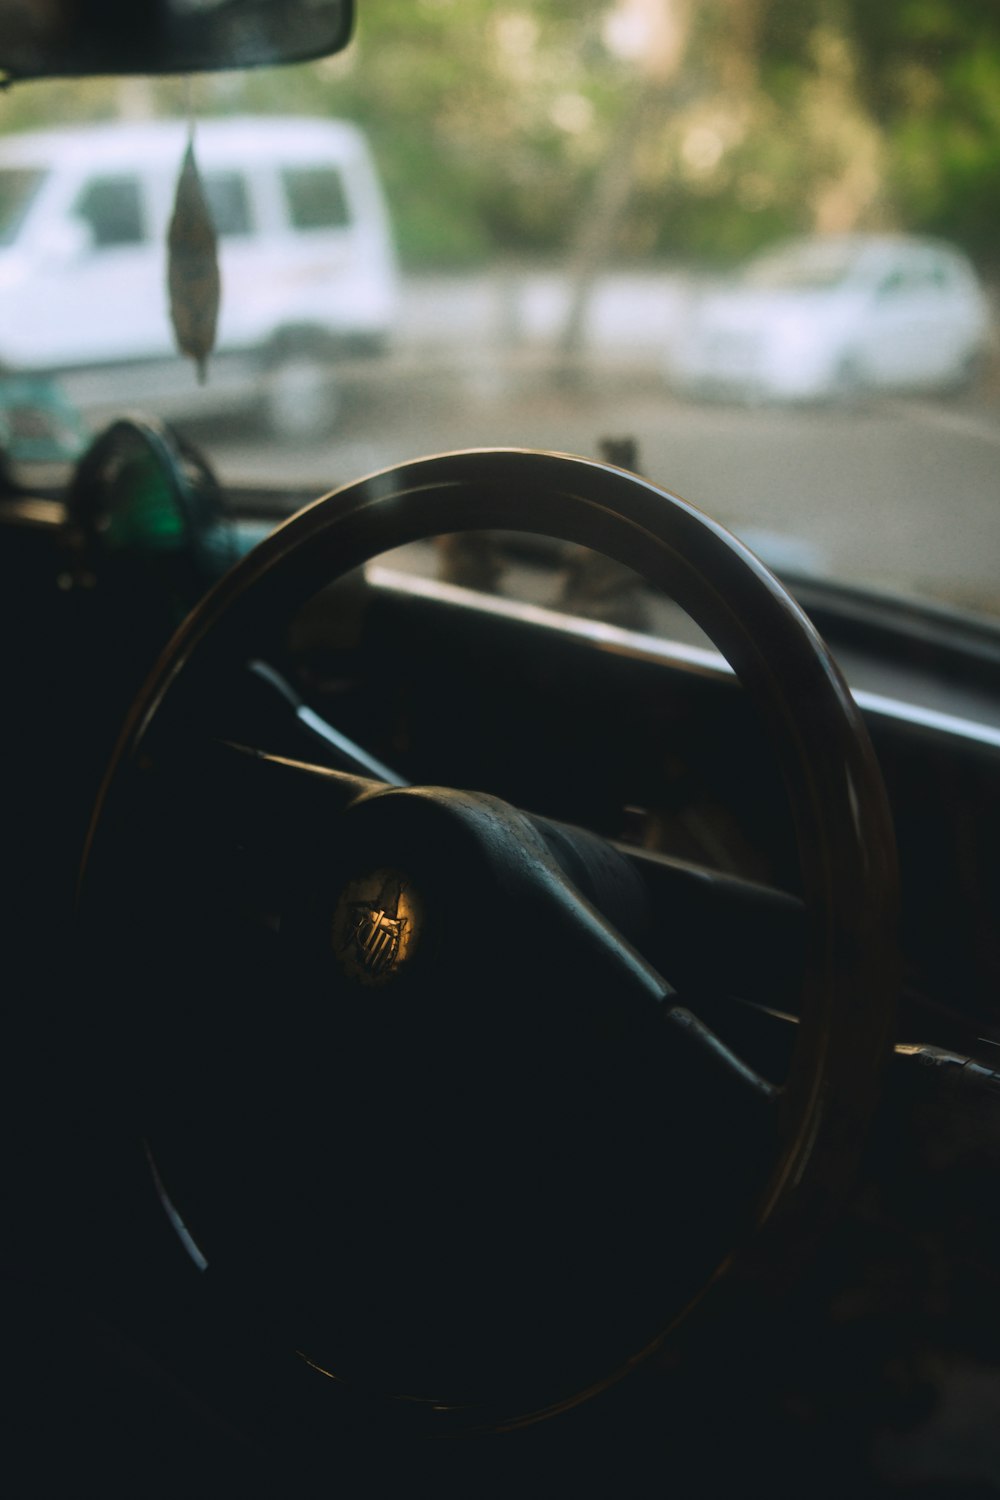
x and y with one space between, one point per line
842 822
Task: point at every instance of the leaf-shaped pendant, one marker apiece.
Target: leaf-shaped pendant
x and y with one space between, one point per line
193 267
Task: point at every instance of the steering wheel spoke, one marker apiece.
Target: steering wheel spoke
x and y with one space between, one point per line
720 934
248 830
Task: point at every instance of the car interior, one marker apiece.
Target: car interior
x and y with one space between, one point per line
503 959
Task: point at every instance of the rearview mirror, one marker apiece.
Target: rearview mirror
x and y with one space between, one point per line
81 38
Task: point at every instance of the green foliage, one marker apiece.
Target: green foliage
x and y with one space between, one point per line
491 121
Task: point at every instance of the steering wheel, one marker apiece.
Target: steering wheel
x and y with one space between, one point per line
425 1122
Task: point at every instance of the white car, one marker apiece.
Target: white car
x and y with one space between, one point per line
305 249
825 318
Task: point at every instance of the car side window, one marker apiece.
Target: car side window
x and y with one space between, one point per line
893 283
315 198
942 275
922 277
902 282
229 203
112 207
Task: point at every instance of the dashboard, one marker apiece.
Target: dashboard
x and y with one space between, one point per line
641 737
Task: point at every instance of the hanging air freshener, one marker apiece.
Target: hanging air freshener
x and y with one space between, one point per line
193 266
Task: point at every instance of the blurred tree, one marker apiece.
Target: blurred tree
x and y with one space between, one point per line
651 36
933 83
640 128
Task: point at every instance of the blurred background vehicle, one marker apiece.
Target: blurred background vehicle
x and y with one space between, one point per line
827 318
306 258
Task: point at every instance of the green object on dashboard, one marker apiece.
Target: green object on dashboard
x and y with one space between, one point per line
143 512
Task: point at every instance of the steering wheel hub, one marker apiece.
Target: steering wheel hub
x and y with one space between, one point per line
376 925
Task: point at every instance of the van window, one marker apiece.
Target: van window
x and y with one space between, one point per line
112 206
18 186
229 203
315 198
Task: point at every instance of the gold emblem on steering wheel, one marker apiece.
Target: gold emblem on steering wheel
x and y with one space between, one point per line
375 925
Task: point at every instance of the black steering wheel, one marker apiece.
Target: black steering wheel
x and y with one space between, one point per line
424 1121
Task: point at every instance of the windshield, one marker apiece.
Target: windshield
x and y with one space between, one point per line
538 224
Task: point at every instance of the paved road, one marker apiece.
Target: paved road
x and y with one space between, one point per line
899 493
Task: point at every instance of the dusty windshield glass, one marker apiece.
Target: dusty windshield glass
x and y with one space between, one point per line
635 222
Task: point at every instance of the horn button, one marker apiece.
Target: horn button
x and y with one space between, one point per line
466 899
486 1101
436 1138
376 925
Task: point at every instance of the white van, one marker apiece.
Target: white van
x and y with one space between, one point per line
306 256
